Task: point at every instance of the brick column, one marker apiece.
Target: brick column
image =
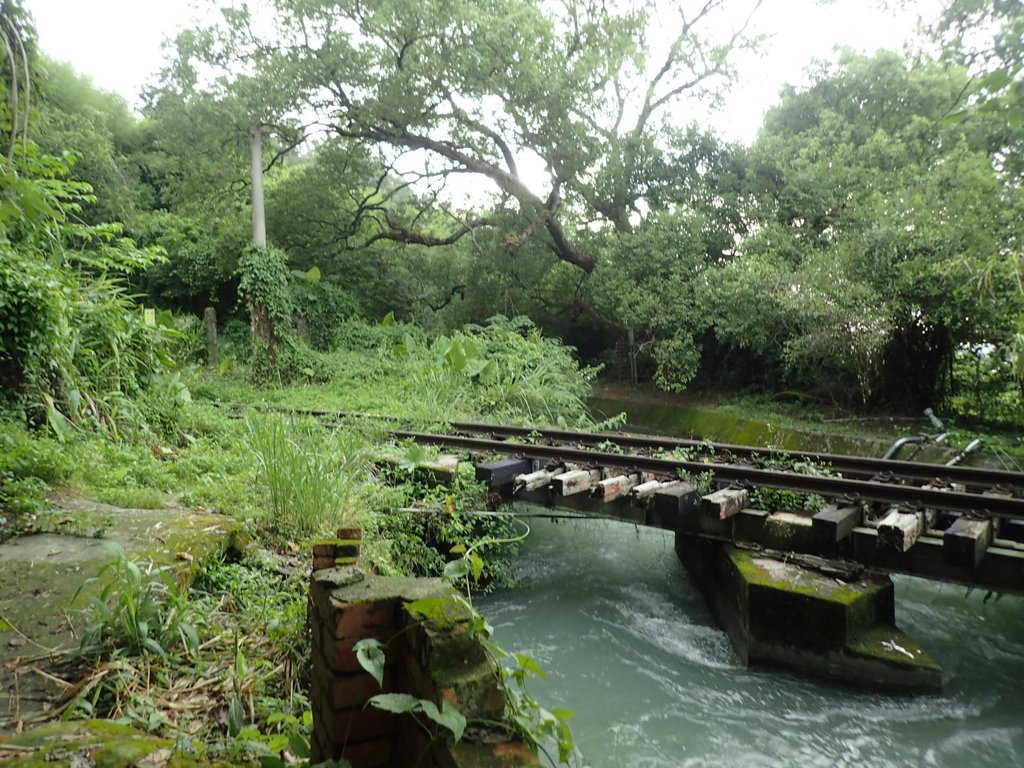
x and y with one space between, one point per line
432 655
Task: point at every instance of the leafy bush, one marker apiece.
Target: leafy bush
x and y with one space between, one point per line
24 454
360 336
504 371
73 344
29 464
988 388
324 306
33 320
535 378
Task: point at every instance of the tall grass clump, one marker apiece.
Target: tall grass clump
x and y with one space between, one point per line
310 475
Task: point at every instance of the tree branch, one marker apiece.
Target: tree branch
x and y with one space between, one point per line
399 233
505 181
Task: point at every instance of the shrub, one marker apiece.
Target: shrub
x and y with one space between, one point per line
324 306
73 344
29 464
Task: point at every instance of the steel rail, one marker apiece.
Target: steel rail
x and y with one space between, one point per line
859 466
833 487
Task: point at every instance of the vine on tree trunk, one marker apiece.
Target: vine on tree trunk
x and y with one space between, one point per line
264 285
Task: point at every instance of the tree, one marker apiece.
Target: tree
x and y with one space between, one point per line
17 54
97 129
479 88
886 218
987 37
73 344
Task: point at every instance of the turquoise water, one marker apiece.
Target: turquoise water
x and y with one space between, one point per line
629 644
702 423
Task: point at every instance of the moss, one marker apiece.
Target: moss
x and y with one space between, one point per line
446 615
786 531
339 578
101 743
338 542
389 588
474 689
745 422
87 523
790 578
894 647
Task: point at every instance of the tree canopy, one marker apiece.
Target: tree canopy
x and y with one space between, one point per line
451 161
480 88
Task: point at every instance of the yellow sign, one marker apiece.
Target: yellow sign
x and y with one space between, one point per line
149 316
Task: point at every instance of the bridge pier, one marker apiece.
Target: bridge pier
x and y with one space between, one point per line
803 615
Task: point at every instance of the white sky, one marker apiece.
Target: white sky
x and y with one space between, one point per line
118 44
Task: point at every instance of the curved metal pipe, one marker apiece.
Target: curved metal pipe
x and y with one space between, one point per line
897 445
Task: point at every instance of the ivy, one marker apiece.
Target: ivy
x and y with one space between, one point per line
264 287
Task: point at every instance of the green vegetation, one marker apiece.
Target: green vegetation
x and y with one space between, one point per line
310 477
864 252
140 610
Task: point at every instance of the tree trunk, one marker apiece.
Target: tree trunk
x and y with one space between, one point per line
212 344
262 328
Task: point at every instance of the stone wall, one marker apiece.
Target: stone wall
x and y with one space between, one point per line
431 652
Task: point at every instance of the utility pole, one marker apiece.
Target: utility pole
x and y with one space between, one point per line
259 218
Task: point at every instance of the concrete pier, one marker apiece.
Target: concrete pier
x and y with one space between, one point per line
817 622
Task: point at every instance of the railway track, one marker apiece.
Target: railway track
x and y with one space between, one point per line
978 492
951 523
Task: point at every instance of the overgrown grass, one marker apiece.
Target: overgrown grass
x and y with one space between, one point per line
224 671
140 610
289 479
311 475
30 464
505 371
132 498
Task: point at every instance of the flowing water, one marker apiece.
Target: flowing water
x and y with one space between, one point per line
628 643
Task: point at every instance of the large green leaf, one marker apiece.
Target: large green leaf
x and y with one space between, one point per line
448 717
370 655
399 703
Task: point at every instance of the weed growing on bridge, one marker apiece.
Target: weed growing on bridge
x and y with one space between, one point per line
702 482
780 500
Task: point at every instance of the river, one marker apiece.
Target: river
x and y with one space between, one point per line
629 645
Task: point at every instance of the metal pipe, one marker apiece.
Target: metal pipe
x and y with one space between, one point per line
897 446
971 447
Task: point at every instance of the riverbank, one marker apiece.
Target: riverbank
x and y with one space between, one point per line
793 426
